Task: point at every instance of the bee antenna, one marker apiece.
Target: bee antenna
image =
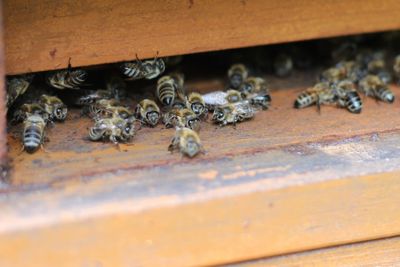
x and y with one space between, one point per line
69 63
155 58
137 58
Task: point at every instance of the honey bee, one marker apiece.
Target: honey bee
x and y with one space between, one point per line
372 85
333 74
56 109
196 103
283 65
29 109
348 96
321 93
93 97
100 107
67 79
237 73
148 112
214 99
186 141
260 101
233 96
147 69
116 87
352 69
114 129
16 87
233 113
33 133
121 112
171 118
170 88
189 119
253 85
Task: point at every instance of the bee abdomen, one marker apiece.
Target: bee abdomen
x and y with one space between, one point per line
385 94
32 138
166 94
305 99
132 70
353 102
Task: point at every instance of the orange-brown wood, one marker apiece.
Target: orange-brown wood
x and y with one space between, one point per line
3 136
224 228
384 252
42 35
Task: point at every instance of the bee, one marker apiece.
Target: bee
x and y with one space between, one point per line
321 93
93 97
114 129
333 74
233 96
253 85
233 113
170 87
352 69
147 69
29 109
67 79
100 107
116 87
237 73
283 65
171 118
348 96
121 112
373 86
148 112
214 99
56 109
33 133
186 141
195 102
189 119
260 101
16 87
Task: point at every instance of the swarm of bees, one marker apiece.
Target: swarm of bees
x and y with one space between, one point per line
115 119
340 85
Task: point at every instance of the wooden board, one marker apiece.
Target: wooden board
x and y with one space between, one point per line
42 35
287 181
384 252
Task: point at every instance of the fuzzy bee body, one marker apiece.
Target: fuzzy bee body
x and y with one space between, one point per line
348 96
188 118
29 109
186 141
321 93
168 89
67 79
396 66
114 129
237 73
233 113
56 109
33 133
148 112
333 74
233 96
147 69
116 87
372 85
16 87
260 101
214 99
91 98
195 102
253 85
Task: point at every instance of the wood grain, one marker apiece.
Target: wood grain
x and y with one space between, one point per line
384 253
42 35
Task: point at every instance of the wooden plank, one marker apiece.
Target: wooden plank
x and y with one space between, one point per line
42 35
213 227
384 252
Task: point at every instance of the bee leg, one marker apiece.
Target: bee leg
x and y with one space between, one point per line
21 150
137 58
44 149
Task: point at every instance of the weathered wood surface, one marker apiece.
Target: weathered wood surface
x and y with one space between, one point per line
383 252
42 35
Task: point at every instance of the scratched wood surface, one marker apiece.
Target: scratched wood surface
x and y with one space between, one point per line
42 35
286 181
384 253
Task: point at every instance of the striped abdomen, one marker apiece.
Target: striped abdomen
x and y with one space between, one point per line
33 133
133 70
305 99
384 94
353 102
166 92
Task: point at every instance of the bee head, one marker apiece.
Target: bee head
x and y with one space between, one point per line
236 80
197 107
60 113
153 117
194 124
218 115
129 130
192 148
246 88
160 65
